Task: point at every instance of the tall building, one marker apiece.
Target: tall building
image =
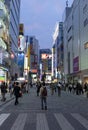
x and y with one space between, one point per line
76 42
4 42
60 53
14 10
14 24
57 52
54 51
31 64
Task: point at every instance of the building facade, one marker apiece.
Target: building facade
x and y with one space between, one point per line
60 53
57 51
4 42
31 64
76 42
14 9
45 63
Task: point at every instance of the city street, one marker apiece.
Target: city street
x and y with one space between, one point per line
68 112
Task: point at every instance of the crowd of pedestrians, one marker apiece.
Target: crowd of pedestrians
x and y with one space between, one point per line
14 88
17 89
76 88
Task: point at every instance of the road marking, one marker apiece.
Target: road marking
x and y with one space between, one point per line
81 119
20 122
42 122
3 117
63 122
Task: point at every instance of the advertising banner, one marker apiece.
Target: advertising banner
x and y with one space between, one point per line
76 64
21 60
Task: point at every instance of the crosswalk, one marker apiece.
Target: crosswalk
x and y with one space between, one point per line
42 121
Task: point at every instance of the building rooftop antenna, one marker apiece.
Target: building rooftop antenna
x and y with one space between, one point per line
66 3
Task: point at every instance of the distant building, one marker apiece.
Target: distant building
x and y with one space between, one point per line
45 62
32 57
57 52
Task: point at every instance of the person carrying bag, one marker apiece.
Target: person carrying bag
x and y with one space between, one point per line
43 95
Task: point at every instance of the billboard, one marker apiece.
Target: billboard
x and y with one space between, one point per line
44 56
21 59
76 64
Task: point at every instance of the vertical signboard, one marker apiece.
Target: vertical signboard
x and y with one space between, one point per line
21 60
76 64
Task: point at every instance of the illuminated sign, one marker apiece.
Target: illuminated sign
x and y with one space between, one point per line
21 59
34 70
44 56
2 75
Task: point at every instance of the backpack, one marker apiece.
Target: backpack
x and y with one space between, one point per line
44 92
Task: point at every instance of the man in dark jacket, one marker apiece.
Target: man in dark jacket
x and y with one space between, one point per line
43 95
3 91
16 92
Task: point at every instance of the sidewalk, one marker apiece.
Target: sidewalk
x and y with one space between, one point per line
8 98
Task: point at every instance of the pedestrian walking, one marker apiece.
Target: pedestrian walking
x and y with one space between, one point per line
16 92
27 87
52 88
59 89
3 91
38 85
43 96
10 89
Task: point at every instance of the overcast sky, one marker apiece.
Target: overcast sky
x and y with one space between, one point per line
40 17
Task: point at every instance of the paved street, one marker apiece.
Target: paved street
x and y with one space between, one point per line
68 112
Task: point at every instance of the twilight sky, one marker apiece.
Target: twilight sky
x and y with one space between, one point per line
40 17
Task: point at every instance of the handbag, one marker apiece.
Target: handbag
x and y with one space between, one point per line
20 93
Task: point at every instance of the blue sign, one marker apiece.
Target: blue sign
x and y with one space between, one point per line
21 59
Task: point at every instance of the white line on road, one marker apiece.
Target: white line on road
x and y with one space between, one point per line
3 117
63 122
20 122
81 119
42 122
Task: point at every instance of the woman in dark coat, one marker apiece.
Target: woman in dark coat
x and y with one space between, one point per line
16 92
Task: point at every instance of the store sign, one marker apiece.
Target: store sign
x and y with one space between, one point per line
2 75
76 64
21 60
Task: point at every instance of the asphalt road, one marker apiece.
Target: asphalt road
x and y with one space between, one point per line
68 112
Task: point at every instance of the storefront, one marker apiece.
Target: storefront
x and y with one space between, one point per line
3 74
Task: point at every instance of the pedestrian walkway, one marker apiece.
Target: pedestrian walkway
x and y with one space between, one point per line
36 102
41 121
68 112
8 98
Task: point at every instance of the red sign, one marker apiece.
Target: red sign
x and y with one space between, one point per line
44 56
